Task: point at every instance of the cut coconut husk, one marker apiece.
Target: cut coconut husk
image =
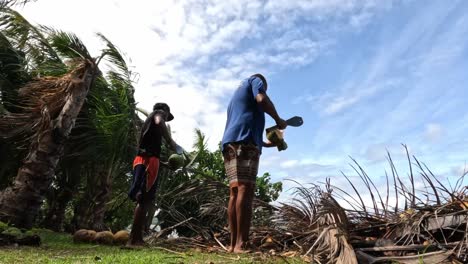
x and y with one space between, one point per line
84 236
121 237
104 237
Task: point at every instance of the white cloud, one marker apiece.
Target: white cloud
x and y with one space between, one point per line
433 132
376 152
289 163
361 19
459 170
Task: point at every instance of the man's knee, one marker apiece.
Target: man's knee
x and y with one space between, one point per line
246 188
233 192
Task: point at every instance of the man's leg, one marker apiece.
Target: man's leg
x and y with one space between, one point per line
150 207
244 214
232 218
150 210
136 235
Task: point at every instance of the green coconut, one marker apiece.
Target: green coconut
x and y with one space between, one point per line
3 226
30 233
175 161
13 231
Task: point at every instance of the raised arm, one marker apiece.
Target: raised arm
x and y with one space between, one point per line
267 105
259 92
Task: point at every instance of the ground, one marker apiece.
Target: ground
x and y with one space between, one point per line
59 248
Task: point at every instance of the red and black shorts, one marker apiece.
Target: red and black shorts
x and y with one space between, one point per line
241 162
145 175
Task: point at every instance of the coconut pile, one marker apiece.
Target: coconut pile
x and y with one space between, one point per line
104 237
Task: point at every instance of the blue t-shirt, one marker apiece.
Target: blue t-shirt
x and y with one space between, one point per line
245 118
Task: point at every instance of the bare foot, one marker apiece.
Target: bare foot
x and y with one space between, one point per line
242 251
242 248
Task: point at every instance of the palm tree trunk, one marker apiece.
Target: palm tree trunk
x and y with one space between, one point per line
101 198
55 216
19 204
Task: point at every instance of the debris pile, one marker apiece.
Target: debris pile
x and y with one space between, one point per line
330 225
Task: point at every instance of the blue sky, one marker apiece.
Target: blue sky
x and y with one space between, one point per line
366 75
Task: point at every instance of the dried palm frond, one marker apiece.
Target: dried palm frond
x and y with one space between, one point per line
315 224
204 200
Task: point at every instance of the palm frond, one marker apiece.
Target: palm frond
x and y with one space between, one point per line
10 3
200 141
12 74
67 44
112 54
27 38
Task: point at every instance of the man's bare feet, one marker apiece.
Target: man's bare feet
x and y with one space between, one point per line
242 251
242 248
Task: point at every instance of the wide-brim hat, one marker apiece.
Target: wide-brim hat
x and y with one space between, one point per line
165 108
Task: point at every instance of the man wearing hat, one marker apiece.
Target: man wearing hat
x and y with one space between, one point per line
146 166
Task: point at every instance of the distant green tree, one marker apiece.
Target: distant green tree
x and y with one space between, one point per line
208 164
266 190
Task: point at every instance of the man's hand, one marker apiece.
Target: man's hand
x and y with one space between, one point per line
268 144
281 123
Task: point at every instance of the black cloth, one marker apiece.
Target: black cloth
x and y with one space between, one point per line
150 138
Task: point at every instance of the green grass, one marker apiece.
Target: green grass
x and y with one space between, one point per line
59 248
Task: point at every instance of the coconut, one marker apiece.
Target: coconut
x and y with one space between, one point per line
84 236
13 231
275 137
282 145
3 226
104 237
175 161
121 237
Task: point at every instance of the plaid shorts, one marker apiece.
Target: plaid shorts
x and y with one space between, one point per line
241 162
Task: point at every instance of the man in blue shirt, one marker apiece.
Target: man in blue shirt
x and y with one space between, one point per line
242 145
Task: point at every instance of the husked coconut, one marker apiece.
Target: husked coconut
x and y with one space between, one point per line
121 237
84 236
104 237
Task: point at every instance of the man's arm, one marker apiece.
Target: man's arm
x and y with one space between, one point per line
267 105
159 121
